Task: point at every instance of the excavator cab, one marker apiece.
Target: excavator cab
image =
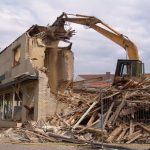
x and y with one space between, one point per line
128 69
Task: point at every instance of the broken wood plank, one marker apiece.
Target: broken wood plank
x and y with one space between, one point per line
94 123
42 136
62 120
131 129
144 127
91 120
122 135
116 114
89 109
134 134
114 133
108 114
90 129
110 96
134 138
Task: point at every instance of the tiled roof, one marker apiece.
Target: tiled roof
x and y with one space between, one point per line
90 76
106 82
147 74
99 84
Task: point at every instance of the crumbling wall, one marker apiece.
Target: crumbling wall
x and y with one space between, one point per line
46 56
65 65
54 66
36 52
51 60
29 102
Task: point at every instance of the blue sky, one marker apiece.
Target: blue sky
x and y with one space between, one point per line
93 52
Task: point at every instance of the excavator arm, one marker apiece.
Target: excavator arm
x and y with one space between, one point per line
107 31
132 68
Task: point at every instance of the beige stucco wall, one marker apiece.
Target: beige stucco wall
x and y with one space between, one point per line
36 52
46 103
7 58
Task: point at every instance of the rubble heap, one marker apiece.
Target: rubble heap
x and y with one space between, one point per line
110 115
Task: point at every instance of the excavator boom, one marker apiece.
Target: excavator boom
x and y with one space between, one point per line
107 31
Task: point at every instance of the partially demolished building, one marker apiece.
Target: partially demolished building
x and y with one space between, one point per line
33 68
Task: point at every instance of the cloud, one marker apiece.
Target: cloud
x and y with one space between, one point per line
93 52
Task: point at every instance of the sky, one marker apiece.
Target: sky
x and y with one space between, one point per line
93 53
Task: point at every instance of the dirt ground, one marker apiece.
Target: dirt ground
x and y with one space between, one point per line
49 146
61 146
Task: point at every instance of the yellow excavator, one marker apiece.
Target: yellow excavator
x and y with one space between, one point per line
126 69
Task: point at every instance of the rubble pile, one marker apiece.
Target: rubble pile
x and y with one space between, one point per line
109 115
112 115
